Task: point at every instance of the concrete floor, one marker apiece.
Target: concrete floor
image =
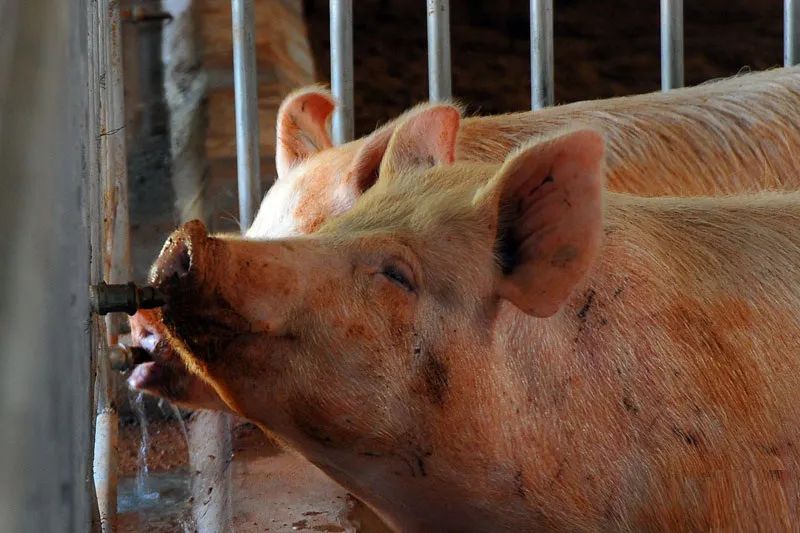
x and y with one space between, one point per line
273 490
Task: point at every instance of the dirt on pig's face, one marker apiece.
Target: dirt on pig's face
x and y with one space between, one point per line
333 340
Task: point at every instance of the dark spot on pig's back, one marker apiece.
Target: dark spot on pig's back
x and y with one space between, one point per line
688 437
630 405
519 485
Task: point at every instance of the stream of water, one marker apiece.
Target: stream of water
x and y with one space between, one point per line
161 499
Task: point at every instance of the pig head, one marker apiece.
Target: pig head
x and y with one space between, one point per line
314 183
369 346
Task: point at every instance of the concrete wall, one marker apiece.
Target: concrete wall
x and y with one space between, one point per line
45 372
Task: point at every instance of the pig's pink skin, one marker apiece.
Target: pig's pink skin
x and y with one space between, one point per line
646 383
731 136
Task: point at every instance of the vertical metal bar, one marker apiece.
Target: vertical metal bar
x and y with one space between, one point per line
671 44
116 247
342 69
440 84
246 89
210 447
791 33
542 77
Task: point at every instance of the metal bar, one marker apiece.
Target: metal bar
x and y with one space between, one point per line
342 70
542 77
439 73
246 89
671 44
94 199
116 248
791 33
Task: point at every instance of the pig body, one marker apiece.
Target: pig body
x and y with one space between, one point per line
730 136
469 349
724 137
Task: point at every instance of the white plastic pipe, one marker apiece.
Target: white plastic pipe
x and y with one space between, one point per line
116 249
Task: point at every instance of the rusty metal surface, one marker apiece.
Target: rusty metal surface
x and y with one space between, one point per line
114 244
123 298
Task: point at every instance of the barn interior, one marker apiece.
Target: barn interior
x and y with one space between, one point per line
181 163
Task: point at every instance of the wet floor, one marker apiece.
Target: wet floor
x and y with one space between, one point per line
161 504
273 490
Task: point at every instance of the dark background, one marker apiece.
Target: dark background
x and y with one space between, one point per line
602 49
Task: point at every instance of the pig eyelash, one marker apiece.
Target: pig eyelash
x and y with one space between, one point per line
398 276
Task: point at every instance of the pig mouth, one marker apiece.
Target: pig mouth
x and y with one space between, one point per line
160 371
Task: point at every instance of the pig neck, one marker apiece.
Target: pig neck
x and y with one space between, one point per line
730 260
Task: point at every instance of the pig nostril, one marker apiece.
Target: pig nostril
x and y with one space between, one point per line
184 259
177 260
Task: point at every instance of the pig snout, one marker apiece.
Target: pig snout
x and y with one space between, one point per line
185 269
190 271
180 257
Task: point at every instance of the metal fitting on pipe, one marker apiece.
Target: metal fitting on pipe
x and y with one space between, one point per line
124 358
129 298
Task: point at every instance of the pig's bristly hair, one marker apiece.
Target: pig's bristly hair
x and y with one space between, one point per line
730 136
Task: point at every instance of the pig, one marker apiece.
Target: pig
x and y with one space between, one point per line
731 136
474 347
735 135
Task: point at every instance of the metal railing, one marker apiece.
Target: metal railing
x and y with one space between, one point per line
542 70
671 44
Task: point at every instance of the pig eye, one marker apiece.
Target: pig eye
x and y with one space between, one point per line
399 275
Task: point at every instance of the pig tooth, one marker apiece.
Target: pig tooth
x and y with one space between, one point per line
149 342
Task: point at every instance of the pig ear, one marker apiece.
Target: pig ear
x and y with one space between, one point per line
365 167
547 200
302 127
423 139
363 170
